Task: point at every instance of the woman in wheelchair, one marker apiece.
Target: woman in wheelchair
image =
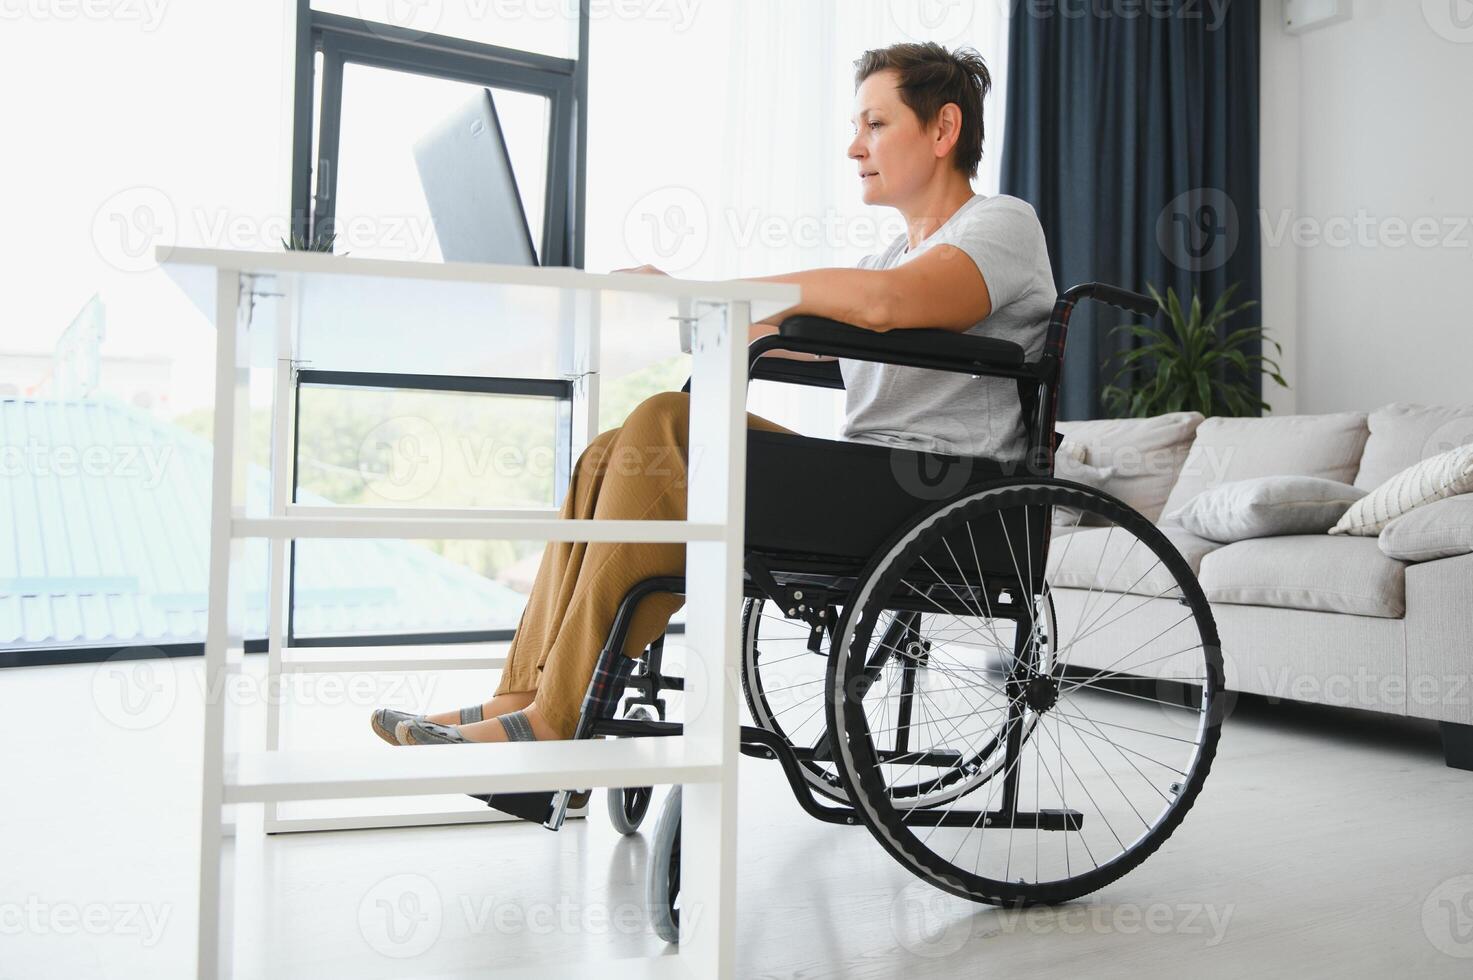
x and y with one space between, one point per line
968 263
971 700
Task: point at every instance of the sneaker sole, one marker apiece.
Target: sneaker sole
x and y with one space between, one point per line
382 732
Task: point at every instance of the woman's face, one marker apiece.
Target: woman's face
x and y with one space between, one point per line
894 156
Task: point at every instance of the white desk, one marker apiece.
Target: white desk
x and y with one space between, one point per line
273 310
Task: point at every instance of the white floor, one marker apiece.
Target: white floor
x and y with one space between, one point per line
1326 843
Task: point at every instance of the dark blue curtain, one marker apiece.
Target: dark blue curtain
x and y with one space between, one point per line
1136 140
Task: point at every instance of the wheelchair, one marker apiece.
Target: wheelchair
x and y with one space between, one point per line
926 657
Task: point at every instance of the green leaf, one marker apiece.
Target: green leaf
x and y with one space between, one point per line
1215 313
1173 307
1236 358
1243 334
1148 332
1131 357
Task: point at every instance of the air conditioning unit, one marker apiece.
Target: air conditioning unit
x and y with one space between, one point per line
1309 15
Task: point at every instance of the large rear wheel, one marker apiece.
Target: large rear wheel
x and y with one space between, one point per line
1074 697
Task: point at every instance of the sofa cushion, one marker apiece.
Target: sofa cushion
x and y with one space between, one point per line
1070 465
1266 506
1404 433
1229 449
1307 571
1444 475
1106 558
1136 460
1439 530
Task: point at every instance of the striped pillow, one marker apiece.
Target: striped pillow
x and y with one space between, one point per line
1433 479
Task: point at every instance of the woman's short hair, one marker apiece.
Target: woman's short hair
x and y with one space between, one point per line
929 77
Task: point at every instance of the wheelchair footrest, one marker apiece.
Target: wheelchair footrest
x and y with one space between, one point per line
528 806
1019 820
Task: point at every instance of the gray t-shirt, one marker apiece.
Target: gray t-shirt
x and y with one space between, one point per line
946 412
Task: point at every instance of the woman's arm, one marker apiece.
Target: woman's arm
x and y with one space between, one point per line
940 288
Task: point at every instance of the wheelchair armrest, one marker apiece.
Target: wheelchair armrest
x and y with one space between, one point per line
946 349
788 370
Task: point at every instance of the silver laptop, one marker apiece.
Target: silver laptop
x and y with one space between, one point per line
471 189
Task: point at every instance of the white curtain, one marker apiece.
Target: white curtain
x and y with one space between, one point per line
717 144
789 99
791 198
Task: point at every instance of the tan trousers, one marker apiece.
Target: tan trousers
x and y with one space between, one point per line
634 472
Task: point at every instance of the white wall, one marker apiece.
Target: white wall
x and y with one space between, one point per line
1367 198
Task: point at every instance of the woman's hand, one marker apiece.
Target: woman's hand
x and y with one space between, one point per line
644 270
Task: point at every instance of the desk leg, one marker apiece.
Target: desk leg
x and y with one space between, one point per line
717 493
223 631
283 403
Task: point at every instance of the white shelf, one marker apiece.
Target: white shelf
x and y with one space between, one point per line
395 513
508 767
332 660
479 529
668 967
381 821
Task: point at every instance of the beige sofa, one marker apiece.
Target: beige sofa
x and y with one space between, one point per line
1318 618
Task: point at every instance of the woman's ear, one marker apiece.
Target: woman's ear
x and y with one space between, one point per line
948 127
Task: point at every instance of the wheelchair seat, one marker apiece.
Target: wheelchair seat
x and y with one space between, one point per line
826 499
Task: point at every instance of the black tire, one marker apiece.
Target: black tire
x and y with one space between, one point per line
908 572
629 804
662 874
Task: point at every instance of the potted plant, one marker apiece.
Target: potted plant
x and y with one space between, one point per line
321 242
1180 367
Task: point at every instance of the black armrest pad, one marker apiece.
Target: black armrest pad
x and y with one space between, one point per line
788 370
966 348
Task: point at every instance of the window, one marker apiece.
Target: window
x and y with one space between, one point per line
366 438
105 367
102 517
381 210
382 441
378 86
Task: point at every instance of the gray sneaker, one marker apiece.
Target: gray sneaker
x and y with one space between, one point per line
417 731
386 720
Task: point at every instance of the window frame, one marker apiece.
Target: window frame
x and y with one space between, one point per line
343 40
